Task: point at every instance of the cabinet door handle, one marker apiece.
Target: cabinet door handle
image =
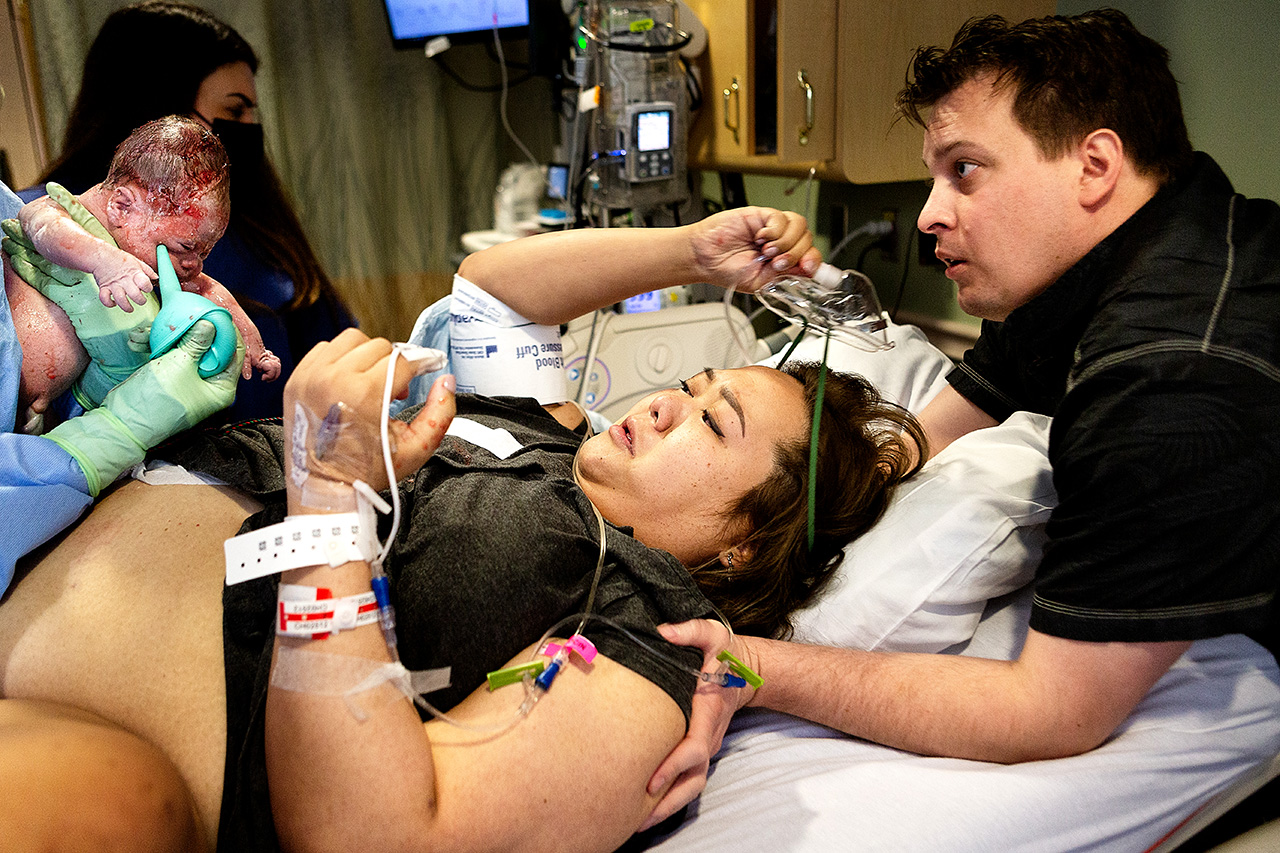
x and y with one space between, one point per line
808 106
732 92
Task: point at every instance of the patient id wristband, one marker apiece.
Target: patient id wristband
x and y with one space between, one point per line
300 541
313 613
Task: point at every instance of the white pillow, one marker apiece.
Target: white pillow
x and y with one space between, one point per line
968 528
909 374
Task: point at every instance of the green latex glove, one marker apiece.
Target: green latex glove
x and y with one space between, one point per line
118 343
161 399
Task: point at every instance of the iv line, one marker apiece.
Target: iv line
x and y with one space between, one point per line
533 689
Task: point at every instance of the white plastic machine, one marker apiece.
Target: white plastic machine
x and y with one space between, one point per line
631 355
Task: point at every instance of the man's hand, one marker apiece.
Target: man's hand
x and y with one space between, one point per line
748 247
685 769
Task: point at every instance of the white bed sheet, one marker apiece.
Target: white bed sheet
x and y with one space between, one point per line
784 784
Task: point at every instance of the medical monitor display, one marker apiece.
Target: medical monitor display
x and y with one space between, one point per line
414 22
653 130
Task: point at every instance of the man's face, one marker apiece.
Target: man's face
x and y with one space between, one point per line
1008 221
189 235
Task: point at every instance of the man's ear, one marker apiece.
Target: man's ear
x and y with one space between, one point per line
1102 160
124 205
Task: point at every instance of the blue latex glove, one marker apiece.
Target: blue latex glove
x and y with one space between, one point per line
162 398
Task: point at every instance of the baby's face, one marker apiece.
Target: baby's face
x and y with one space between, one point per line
189 236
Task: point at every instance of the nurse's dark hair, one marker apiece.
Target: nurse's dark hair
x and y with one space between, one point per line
1070 76
866 446
183 44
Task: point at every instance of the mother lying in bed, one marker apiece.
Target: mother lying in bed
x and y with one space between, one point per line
141 710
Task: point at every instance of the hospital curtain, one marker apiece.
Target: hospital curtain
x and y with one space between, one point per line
388 161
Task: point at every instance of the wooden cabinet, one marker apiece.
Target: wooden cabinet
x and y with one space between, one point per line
794 84
768 95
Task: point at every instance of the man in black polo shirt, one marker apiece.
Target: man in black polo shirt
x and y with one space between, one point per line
1130 293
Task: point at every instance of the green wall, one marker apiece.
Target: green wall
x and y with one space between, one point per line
1226 56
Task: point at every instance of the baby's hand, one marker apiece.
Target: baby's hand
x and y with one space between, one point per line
121 278
268 364
256 354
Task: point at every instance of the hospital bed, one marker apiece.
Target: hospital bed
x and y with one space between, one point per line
946 571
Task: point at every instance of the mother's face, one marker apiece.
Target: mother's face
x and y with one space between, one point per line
680 458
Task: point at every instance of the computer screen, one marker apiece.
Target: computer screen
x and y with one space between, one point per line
414 22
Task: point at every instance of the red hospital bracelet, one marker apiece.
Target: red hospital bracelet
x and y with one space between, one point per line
313 613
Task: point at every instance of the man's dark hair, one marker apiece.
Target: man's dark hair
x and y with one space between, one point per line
1070 76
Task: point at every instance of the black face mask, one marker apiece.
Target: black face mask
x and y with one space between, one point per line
244 143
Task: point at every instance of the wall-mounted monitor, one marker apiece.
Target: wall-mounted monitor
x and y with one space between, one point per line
414 22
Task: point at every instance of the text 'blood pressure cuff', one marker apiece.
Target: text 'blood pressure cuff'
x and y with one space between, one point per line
496 352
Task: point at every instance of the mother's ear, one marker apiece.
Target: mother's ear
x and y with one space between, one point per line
1102 159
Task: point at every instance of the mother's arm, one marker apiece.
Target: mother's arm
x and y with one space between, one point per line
570 776
553 277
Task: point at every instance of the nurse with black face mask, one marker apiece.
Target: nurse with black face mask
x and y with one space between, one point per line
264 258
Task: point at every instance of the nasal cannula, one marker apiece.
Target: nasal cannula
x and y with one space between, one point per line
732 673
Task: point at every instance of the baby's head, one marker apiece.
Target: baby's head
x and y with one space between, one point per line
169 184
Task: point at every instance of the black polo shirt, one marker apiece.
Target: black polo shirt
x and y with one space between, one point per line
1157 355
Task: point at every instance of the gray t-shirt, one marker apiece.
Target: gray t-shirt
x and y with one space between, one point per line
491 553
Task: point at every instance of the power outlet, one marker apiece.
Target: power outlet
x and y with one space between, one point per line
888 242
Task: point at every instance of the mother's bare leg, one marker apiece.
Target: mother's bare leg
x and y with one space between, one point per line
71 781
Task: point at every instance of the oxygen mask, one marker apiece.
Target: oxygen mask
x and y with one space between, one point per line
840 303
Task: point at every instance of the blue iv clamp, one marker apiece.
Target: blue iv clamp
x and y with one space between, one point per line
179 311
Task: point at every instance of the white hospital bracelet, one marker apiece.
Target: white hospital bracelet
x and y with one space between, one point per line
297 542
313 612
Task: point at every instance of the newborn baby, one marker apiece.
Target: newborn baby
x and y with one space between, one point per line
167 185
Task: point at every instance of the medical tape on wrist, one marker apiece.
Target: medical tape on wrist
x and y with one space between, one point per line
313 613
300 541
362 684
325 451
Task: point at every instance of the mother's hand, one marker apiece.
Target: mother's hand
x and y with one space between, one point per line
333 408
748 247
